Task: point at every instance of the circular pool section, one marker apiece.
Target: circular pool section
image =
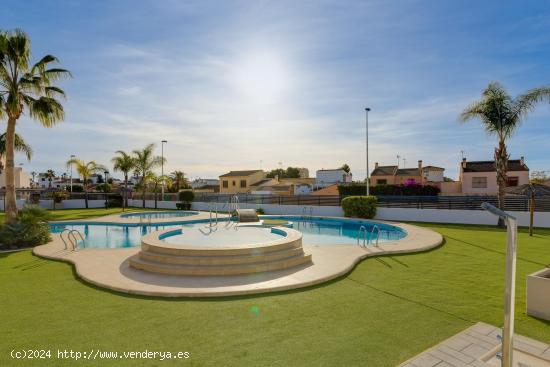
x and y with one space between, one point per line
159 215
221 236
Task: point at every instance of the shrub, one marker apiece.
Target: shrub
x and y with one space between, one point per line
76 188
352 189
104 187
114 201
260 211
359 206
183 206
31 229
59 196
186 196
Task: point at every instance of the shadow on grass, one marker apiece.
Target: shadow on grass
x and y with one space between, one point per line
503 253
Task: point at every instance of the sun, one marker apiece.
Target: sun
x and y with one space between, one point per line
261 77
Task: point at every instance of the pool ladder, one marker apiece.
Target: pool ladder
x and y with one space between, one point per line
304 211
71 238
368 239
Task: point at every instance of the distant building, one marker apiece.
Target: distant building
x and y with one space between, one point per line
327 177
331 190
22 179
303 172
240 181
480 177
393 175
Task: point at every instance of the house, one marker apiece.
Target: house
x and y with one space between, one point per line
283 186
22 179
240 181
393 175
327 177
480 177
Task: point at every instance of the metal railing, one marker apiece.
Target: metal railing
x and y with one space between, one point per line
71 238
362 230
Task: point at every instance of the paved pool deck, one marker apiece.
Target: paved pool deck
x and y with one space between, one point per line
477 346
109 268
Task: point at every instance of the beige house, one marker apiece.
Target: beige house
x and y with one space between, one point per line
393 175
480 177
240 181
22 179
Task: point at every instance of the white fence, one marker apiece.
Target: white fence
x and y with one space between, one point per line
66 204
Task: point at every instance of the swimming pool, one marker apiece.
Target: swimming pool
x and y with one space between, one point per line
316 231
159 215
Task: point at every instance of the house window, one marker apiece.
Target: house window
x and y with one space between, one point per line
479 182
225 184
233 183
243 183
512 181
381 182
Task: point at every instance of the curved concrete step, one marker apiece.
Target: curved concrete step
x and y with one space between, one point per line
253 250
178 269
221 260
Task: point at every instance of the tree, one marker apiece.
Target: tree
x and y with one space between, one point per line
346 168
25 88
50 175
290 172
124 163
179 181
85 170
156 181
19 145
501 115
146 161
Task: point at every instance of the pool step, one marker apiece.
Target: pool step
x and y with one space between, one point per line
216 270
254 257
161 248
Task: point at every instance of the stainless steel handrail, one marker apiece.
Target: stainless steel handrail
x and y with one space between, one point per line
377 234
363 230
75 240
510 281
63 239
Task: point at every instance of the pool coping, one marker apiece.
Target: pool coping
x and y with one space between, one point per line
109 268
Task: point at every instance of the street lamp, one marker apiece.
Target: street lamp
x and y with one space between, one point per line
367 148
72 157
162 167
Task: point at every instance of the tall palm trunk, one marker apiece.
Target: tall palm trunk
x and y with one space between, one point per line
501 164
156 197
143 190
85 185
9 201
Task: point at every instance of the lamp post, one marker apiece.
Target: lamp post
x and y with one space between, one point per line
105 186
162 167
367 148
72 157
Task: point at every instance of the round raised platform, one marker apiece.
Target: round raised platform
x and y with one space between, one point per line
159 256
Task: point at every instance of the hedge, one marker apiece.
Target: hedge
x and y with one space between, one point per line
389 190
360 206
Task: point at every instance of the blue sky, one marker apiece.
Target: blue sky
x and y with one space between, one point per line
230 84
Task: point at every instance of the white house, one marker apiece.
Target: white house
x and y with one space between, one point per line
21 177
327 177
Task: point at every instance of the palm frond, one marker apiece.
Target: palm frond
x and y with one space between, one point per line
47 110
20 145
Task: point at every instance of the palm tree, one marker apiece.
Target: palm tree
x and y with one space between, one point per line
20 145
145 163
85 170
179 180
156 181
25 87
124 163
50 175
501 115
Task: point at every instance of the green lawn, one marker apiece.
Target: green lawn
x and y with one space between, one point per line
384 312
74 214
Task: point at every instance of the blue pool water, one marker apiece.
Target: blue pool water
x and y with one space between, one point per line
316 231
159 215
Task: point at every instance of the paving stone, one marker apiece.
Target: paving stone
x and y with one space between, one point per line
447 358
458 355
425 360
483 328
475 351
458 343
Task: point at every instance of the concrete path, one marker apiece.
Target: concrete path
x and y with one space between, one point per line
477 346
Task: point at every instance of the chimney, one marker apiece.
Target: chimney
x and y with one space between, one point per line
420 164
375 165
463 162
522 160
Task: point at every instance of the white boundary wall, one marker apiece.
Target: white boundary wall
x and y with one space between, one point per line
542 219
